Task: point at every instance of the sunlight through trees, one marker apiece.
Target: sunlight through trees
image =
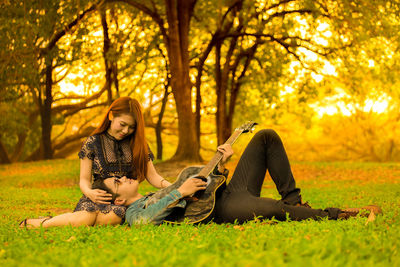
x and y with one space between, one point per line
325 73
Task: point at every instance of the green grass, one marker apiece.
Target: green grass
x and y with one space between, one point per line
36 189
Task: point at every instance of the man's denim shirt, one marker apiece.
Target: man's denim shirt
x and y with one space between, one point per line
154 208
140 213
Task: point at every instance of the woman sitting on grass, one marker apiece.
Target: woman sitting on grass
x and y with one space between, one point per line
116 148
118 155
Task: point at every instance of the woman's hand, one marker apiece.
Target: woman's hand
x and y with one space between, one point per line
99 196
227 152
191 186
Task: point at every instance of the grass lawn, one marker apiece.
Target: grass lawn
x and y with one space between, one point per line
51 187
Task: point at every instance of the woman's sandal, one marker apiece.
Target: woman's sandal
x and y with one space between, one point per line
24 222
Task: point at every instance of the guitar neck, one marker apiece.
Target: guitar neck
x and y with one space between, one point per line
218 156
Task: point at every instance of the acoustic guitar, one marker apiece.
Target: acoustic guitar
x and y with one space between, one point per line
200 206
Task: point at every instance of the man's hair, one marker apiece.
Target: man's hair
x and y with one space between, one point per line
99 184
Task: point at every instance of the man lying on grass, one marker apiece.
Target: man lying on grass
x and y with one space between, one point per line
138 212
240 201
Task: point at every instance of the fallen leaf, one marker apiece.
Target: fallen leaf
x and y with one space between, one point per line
238 227
371 218
72 238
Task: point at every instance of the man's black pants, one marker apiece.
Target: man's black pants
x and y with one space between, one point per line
241 200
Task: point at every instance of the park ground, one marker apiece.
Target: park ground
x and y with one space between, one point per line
51 187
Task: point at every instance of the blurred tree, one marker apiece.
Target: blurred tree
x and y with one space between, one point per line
248 34
36 48
366 96
232 59
32 42
174 26
239 31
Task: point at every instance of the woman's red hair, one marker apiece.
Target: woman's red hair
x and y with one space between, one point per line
140 151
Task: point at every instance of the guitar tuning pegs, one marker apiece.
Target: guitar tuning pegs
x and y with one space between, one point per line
253 127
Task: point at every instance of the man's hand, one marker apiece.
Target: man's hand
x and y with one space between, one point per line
99 196
191 186
227 152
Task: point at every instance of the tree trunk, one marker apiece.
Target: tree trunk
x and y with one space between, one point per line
45 111
45 150
107 62
3 154
115 77
179 13
198 115
229 80
221 78
158 127
200 67
19 147
176 39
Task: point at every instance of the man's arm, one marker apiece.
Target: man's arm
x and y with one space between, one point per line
139 213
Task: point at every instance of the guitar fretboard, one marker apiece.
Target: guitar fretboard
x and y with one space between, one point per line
218 156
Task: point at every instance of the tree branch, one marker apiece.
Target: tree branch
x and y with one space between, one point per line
152 13
284 13
80 105
67 28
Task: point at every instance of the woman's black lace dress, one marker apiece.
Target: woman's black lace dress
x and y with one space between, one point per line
111 157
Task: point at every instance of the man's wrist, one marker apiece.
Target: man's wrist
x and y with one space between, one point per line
183 194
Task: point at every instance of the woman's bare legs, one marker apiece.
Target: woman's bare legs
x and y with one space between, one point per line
77 218
110 218
72 218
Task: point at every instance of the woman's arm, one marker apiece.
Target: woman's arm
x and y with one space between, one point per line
85 183
85 175
154 178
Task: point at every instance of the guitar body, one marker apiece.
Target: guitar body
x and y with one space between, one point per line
201 206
